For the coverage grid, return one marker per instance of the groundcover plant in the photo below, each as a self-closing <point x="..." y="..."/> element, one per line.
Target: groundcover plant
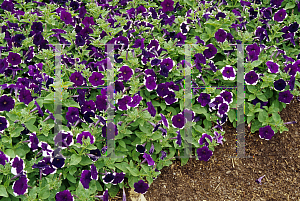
<point x="148" y="39"/>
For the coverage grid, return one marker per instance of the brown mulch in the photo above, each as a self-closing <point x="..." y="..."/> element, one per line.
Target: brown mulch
<point x="225" y="178"/>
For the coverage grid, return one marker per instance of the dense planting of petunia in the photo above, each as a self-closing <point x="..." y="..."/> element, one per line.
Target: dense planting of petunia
<point x="149" y="69"/>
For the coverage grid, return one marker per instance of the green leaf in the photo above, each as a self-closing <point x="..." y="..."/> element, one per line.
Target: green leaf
<point x="255" y="126"/>
<point x="134" y="171"/>
<point x="122" y="143"/>
<point x="251" y="88"/>
<point x="262" y="97"/>
<point x="70" y="103"/>
<point x="207" y="124"/>
<point x="122" y="166"/>
<point x="199" y="109"/>
<point x="17" y="131"/>
<point x="184" y="160"/>
<point x="12" y="117"/>
<point x="75" y="159"/>
<point x="290" y="5"/>
<point x="251" y="97"/>
<point x="85" y="160"/>
<point x="276" y="118"/>
<point x="31" y="127"/>
<point x="163" y="105"/>
<point x="263" y="115"/>
<point x="256" y="63"/>
<point x="3" y="191"/>
<point x="45" y="192"/>
<point x="71" y="178"/>
<point x="231" y="115"/>
<point x="10" y="153"/>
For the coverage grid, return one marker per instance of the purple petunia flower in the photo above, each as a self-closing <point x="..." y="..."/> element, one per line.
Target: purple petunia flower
<point x="3" y="158"/>
<point x="125" y="73"/>
<point x="63" y="139"/>
<point x="17" y="165"/>
<point x="96" y="79"/>
<point x="136" y="99"/>
<point x="101" y="102"/>
<point x="272" y="67"/>
<point x="87" y="21"/>
<point x="220" y="35"/>
<point x="285" y="97"/>
<point x="164" y="120"/>
<point x="149" y="160"/>
<point x="203" y="99"/>
<point x="64" y="196"/>
<point x="150" y="83"/>
<point x="266" y="132"/>
<point x="140" y="148"/>
<point x="66" y="17"/>
<point x="227" y="96"/>
<point x="89" y="106"/>
<point x="85" y="178"/>
<point x="251" y="78"/>
<point x="204" y="153"/>
<point x="20" y="186"/>
<point x="280" y="85"/>
<point x="123" y="102"/>
<point x="94" y="154"/>
<point x="108" y="177"/>
<point x="218" y="137"/>
<point x="141" y="187"/>
<point x="151" y="109"/>
<point x="210" y="52"/>
<point x="223" y="109"/>
<point x="77" y="78"/>
<point x="178" y="121"/>
<point x="292" y="83"/>
<point x="203" y="139"/>
<point x="119" y="178"/>
<point x="228" y="73"/>
<point x="72" y="115"/>
<point x="25" y="96"/>
<point x="85" y="135"/>
<point x="4" y="123"/>
<point x="188" y="114"/>
<point x="6" y="103"/>
<point x="280" y="15"/>
<point x="33" y="142"/>
<point x="167" y="5"/>
<point x="14" y="58"/>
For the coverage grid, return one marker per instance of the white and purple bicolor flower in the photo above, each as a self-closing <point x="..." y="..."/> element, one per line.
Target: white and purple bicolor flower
<point x="228" y="73"/>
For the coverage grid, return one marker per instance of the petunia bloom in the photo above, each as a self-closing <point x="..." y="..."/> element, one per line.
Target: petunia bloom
<point x="85" y="135"/>
<point x="220" y="35"/>
<point x="203" y="99"/>
<point x="141" y="187"/>
<point x="210" y="52"/>
<point x="266" y="132"/>
<point x="285" y="97"/>
<point x="20" y="186"/>
<point x="4" y="123"/>
<point x="64" y="196"/>
<point x="228" y="73"/>
<point x="203" y="139"/>
<point x="204" y="153"/>
<point x="280" y="15"/>
<point x="251" y="78"/>
<point x="167" y="5"/>
<point x="6" y="103"/>
<point x="178" y="121"/>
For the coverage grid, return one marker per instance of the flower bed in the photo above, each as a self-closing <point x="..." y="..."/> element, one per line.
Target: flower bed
<point x="150" y="61"/>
